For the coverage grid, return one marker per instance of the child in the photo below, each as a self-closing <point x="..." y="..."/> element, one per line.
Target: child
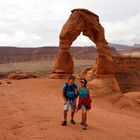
<point x="69" y="95"/>
<point x="84" y="102"/>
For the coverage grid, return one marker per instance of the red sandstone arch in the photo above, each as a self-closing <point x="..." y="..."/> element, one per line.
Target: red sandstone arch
<point x="82" y="20"/>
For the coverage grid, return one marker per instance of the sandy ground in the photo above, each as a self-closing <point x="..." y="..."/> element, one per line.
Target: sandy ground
<point x="32" y="110"/>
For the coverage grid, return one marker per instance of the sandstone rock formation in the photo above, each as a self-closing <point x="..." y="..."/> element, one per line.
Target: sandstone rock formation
<point x="20" y="76"/>
<point x="8" y="82"/>
<point x="128" y="73"/>
<point x="82" y="20"/>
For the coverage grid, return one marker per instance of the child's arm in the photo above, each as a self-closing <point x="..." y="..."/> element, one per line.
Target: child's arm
<point x="63" y="94"/>
<point x="77" y="91"/>
<point x="89" y="94"/>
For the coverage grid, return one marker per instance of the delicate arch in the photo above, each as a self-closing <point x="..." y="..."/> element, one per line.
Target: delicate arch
<point x="82" y="20"/>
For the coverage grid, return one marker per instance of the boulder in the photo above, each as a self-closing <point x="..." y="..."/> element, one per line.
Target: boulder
<point x="20" y="76"/>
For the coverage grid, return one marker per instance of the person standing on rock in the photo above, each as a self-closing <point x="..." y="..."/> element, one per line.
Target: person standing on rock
<point x="84" y="102"/>
<point x="70" y="93"/>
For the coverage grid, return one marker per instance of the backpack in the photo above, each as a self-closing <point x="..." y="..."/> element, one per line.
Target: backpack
<point x="70" y="88"/>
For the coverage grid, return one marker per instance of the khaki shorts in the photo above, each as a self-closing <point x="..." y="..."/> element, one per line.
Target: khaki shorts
<point x="83" y="108"/>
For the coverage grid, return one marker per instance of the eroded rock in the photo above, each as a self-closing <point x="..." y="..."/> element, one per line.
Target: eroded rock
<point x="82" y="20"/>
<point x="20" y="76"/>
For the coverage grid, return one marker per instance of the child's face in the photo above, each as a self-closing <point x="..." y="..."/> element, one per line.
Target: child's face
<point x="71" y="82"/>
<point x="82" y="84"/>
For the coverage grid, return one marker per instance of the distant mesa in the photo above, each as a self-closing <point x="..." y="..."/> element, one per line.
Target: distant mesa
<point x="15" y="54"/>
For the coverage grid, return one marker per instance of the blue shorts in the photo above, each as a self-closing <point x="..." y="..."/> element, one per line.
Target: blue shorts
<point x="72" y="104"/>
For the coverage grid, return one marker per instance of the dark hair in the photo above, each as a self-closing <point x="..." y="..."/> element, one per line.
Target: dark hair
<point x="71" y="78"/>
<point x="84" y="81"/>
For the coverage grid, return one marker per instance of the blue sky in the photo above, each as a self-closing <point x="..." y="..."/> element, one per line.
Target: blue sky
<point x="38" y="22"/>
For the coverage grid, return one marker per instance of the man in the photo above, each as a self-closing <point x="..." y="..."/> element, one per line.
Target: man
<point x="70" y="93"/>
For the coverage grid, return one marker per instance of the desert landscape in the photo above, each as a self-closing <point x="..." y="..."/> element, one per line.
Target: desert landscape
<point x="32" y="79"/>
<point x="32" y="108"/>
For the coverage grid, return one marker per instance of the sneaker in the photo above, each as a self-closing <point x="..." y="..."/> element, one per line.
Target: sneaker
<point x="72" y="122"/>
<point x="84" y="127"/>
<point x="64" y="123"/>
<point x="83" y="124"/>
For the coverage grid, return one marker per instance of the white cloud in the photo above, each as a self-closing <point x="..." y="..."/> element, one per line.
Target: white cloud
<point x="38" y="22"/>
<point x="18" y="37"/>
<point x="126" y="31"/>
<point x="82" y="41"/>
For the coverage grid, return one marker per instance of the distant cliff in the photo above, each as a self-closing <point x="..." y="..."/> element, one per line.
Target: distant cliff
<point x="13" y="54"/>
<point x="128" y="73"/>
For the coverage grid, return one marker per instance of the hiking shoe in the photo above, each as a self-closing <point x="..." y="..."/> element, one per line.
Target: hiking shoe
<point x="83" y="124"/>
<point x="64" y="123"/>
<point x="84" y="127"/>
<point x="72" y="122"/>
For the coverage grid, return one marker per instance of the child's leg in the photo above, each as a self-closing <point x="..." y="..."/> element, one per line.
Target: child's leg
<point x="72" y="115"/>
<point x="66" y="108"/>
<point x="65" y="115"/>
<point x="85" y="117"/>
<point x="64" y="123"/>
<point x="84" y="114"/>
<point x="82" y="122"/>
<point x="73" y="109"/>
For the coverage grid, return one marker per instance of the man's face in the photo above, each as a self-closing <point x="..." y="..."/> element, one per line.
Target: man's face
<point x="71" y="82"/>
